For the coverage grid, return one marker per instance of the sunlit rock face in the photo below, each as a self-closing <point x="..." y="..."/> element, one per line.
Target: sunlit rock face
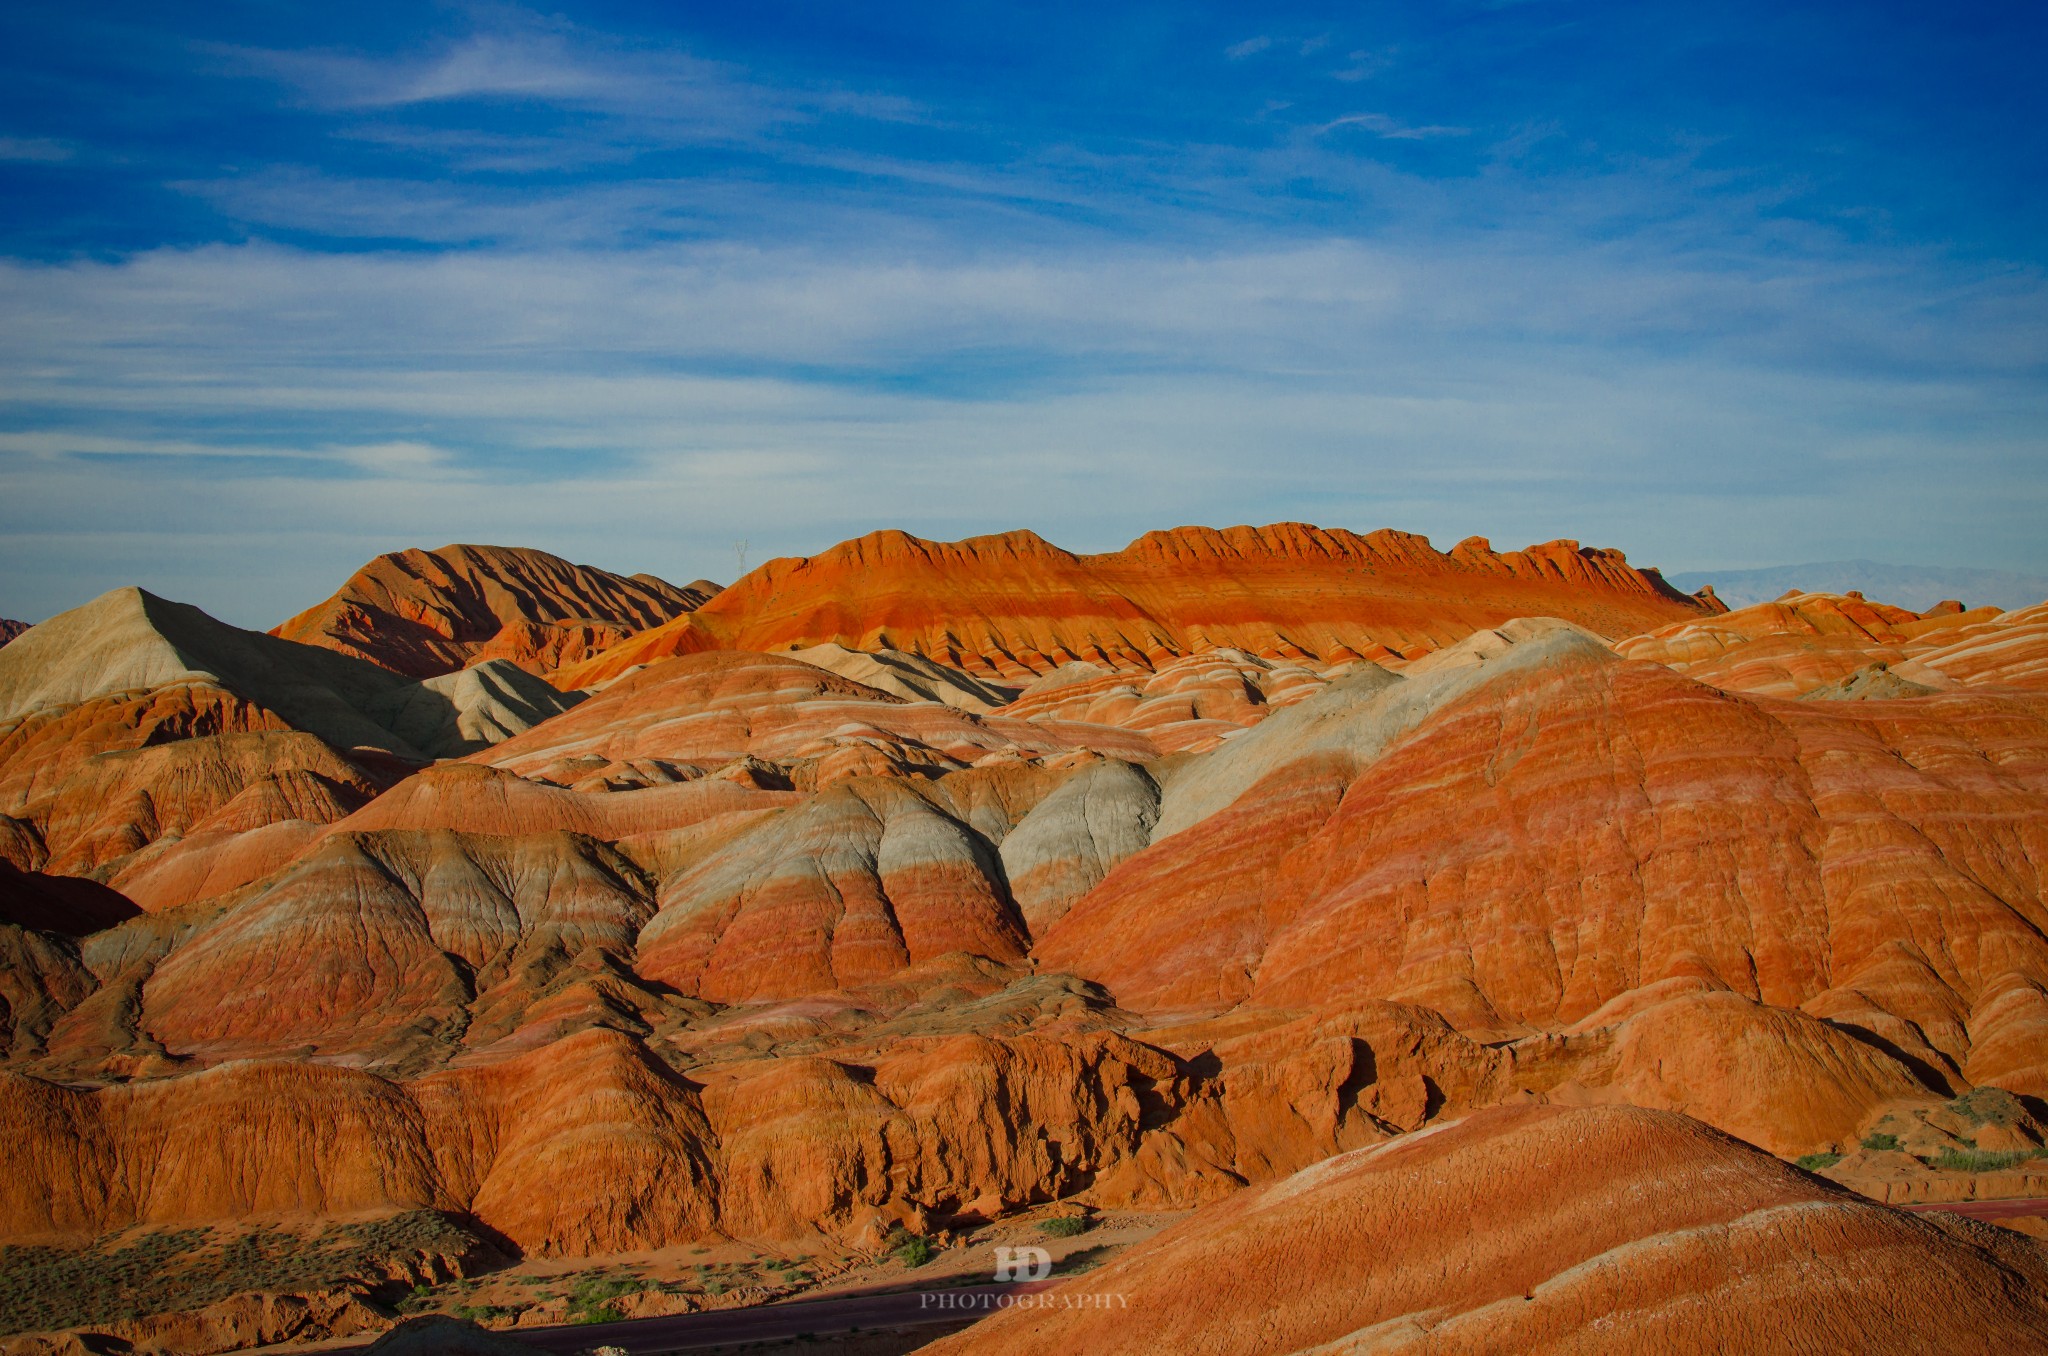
<point x="1015" y="607"/>
<point x="917" y="884"/>
<point x="426" y="613"/>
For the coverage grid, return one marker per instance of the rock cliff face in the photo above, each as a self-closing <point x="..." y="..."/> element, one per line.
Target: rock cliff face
<point x="1013" y="607"/>
<point x="426" y="613"/>
<point x="809" y="945"/>
<point x="10" y="629"/>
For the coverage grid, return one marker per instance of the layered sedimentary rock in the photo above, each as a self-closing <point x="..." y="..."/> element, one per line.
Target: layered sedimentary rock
<point x="1188" y="704"/>
<point x="1811" y="641"/>
<point x="707" y="710"/>
<point x="1069" y="841"/>
<point x="830" y="941"/>
<point x="376" y="940"/>
<point x="426" y="613"/>
<point x="10" y="629"/>
<point x="911" y="677"/>
<point x="583" y="1146"/>
<point x="470" y="710"/>
<point x="41" y="977"/>
<point x="1014" y="606"/>
<point x="129" y="641"/>
<point x="135" y="725"/>
<point x="1546" y="1230"/>
<point x="122" y="801"/>
<point x="2008" y="650"/>
<point x="867" y="878"/>
<point x="1518" y="842"/>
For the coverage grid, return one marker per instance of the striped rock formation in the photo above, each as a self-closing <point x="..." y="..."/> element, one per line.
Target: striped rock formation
<point x="1013" y="607"/>
<point x="1545" y="1229"/>
<point x="426" y="613"/>
<point x="814" y="944"/>
<point x="709" y="709"/>
<point x="1807" y="642"/>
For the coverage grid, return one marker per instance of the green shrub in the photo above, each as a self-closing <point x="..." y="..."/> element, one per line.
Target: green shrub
<point x="1987" y="1106"/>
<point x="1815" y="1162"/>
<point x="590" y="1300"/>
<point x="1880" y="1143"/>
<point x="1981" y="1160"/>
<point x="916" y="1252"/>
<point x="1066" y="1226"/>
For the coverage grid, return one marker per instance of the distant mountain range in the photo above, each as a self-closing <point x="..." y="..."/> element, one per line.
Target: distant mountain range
<point x="1915" y="586"/>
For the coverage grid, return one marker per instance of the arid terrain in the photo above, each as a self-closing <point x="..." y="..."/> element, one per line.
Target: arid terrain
<point x="1319" y="942"/>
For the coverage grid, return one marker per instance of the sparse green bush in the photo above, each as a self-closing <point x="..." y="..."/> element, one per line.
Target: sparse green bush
<point x="590" y="1300"/>
<point x="1878" y="1143"/>
<point x="1066" y="1226"/>
<point x="1981" y="1160"/>
<point x="1987" y="1106"/>
<point x="915" y="1252"/>
<point x="1815" y="1162"/>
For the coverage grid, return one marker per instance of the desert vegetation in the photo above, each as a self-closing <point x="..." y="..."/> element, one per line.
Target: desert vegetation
<point x="137" y="1273"/>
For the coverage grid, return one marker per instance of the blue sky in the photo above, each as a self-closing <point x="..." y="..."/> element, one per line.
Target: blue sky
<point x="285" y="286"/>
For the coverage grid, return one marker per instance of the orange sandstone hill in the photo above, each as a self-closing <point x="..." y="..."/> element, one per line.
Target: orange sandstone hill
<point x="806" y="950"/>
<point x="1545" y="1229"/>
<point x="1014" y="606"/>
<point x="1836" y="645"/>
<point x="424" y="613"/>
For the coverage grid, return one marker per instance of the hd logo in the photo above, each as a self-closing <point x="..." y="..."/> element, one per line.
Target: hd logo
<point x="1023" y="1264"/>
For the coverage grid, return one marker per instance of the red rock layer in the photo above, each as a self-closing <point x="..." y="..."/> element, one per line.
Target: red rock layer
<point x="10" y="629"/>
<point x="1521" y="843"/>
<point x="585" y="1146"/>
<point x="588" y="1145"/>
<point x="423" y="613"/>
<point x="1803" y="642"/>
<point x="1013" y="606"/>
<point x="708" y="709"/>
<point x="1188" y="705"/>
<point x="41" y="978"/>
<point x="1545" y="1230"/>
<point x="90" y="813"/>
<point x="376" y="940"/>
<point x="2009" y="650"/>
<point x="864" y="880"/>
<point x="41" y="752"/>
<point x="467" y="798"/>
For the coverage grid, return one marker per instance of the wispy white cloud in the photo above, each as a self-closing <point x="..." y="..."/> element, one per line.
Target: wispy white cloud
<point x="652" y="95"/>
<point x="402" y="459"/>
<point x="39" y="150"/>
<point x="1379" y="124"/>
<point x="528" y="62"/>
<point x="1091" y="338"/>
<point x="1238" y="51"/>
<point x="631" y="407"/>
<point x="1364" y="64"/>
